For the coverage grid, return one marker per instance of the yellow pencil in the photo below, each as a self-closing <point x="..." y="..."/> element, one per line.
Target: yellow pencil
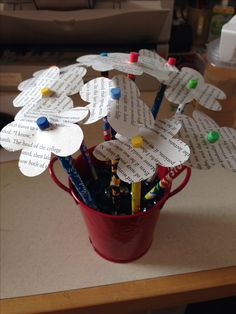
<point x="136" y="142"/>
<point x="136" y="197"/>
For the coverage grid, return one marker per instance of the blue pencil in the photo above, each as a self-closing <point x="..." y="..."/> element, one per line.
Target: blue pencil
<point x="86" y="156"/>
<point x="67" y="164"/>
<point x="160" y="94"/>
<point x="158" y="100"/>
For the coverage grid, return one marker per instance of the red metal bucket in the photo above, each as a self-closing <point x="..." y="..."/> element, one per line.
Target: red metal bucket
<point x="122" y="238"/>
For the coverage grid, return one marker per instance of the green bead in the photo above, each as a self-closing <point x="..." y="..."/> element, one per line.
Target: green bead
<point x="213" y="136"/>
<point x="192" y="84"/>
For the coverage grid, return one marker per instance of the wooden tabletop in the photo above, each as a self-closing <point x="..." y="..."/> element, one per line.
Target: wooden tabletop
<point x="131" y="297"/>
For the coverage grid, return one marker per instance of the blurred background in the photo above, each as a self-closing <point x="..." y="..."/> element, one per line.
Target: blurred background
<point x="38" y="33"/>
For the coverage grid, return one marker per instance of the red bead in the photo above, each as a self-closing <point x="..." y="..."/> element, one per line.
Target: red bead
<point x="133" y="57"/>
<point x="171" y="61"/>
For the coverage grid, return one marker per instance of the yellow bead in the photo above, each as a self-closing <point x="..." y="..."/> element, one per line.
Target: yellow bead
<point x="137" y="141"/>
<point x="46" y="92"/>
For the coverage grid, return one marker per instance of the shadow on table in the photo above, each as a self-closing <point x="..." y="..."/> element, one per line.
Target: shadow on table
<point x="194" y="240"/>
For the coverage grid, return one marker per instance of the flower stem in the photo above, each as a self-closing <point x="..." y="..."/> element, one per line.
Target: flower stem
<point x="158" y="100"/>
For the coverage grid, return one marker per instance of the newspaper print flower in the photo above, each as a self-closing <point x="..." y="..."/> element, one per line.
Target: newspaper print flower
<point x="187" y="85"/>
<point x="209" y="143"/>
<point x="154" y="59"/>
<point x="51" y="83"/>
<point x="101" y="62"/>
<point x="62" y="137"/>
<point x="111" y="61"/>
<point x="31" y="82"/>
<point x="50" y="105"/>
<point x="125" y="113"/>
<point x="157" y="66"/>
<point x="62" y="70"/>
<point x="47" y="76"/>
<point x="158" y="148"/>
<point x="145" y="62"/>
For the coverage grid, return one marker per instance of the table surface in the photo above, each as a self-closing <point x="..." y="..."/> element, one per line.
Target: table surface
<point x="48" y="264"/>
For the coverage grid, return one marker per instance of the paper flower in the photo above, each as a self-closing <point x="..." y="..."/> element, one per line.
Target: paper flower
<point x="116" y="98"/>
<point x="50" y="83"/>
<point x="99" y="63"/>
<point x="50" y="105"/>
<point x="210" y="144"/>
<point x="61" y="137"/>
<point x="187" y="85"/>
<point x="62" y="70"/>
<point x="31" y="82"/>
<point x="141" y="64"/>
<point x="47" y="76"/>
<point x="110" y="61"/>
<point x="158" y="148"/>
<point x="156" y="64"/>
<point x="134" y="63"/>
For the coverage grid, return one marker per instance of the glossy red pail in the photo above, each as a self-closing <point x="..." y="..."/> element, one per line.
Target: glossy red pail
<point x="122" y="238"/>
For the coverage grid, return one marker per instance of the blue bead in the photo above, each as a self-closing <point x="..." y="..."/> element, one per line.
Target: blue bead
<point x="115" y="93"/>
<point x="42" y="123"/>
<point x="103" y="54"/>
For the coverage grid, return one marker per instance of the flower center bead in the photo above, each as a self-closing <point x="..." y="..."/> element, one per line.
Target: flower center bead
<point x="103" y="54"/>
<point x="115" y="93"/>
<point x="192" y="84"/>
<point x="43" y="123"/>
<point x="213" y="137"/>
<point x="46" y="92"/>
<point x="133" y="57"/>
<point x="171" y="61"/>
<point x="137" y="141"/>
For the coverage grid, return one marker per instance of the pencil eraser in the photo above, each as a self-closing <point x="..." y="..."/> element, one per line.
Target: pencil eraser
<point x="131" y="76"/>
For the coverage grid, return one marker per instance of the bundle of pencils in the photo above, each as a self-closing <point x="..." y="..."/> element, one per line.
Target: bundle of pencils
<point x="115" y="184"/>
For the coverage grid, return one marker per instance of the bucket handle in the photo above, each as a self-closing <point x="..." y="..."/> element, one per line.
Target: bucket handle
<point x="183" y="183"/>
<point x="54" y="177"/>
<point x="67" y="189"/>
